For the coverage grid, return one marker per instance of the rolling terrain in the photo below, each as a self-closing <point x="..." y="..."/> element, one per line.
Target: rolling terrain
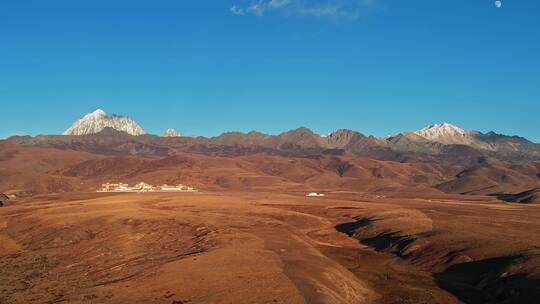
<point x="67" y="163"/>
<point x="441" y="215"/>
<point x="268" y="247"/>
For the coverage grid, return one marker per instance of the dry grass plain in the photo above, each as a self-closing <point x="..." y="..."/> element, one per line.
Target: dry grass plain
<point x="263" y="247"/>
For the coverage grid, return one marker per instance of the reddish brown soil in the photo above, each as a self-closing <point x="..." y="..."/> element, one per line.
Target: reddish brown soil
<point x="267" y="247"/>
<point x="30" y="171"/>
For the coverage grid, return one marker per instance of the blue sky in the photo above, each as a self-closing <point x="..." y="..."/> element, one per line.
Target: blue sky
<point x="208" y="66"/>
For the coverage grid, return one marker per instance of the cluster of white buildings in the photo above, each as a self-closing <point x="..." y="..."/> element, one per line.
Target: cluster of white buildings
<point x="144" y="187"/>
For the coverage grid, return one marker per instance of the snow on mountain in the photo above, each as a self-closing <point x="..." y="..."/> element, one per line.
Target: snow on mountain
<point x="446" y="133"/>
<point x="171" y="133"/>
<point x="96" y="121"/>
<point x="440" y="130"/>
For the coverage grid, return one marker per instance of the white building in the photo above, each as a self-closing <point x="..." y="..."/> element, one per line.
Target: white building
<point x="143" y="187"/>
<point x="314" y="194"/>
<point x="178" y="188"/>
<point x="108" y="187"/>
<point x="122" y="187"/>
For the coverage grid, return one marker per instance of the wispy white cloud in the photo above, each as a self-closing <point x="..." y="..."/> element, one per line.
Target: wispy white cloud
<point x="274" y="4"/>
<point x="349" y="9"/>
<point x="237" y="10"/>
<point x="258" y="8"/>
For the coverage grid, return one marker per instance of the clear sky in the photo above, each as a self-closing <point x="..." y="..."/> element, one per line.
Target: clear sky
<point x="208" y="66"/>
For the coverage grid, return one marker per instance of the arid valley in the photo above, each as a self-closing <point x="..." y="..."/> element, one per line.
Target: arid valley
<point x="453" y="219"/>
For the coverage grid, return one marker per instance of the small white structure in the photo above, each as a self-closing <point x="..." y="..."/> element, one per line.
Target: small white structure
<point x="314" y="194"/>
<point x="166" y="187"/>
<point x="122" y="187"/>
<point x="108" y="187"/>
<point x="143" y="187"/>
<point x="178" y="188"/>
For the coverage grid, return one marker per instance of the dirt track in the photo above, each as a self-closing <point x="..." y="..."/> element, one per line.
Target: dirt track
<point x="252" y="248"/>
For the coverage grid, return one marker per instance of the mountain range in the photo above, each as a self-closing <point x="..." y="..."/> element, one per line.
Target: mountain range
<point x="439" y="158"/>
<point x="115" y="134"/>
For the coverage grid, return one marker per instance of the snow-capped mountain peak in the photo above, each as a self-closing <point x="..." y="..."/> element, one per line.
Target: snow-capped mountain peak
<point x="98" y="120"/>
<point x="97" y="113"/>
<point x="447" y="134"/>
<point x="442" y="130"/>
<point x="171" y="133"/>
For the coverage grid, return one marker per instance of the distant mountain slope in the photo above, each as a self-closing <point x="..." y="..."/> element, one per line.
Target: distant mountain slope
<point x="508" y="145"/>
<point x="32" y="170"/>
<point x="402" y="147"/>
<point x="432" y="138"/>
<point x="99" y="133"/>
<point x="494" y="177"/>
<point x="51" y="164"/>
<point x="98" y="120"/>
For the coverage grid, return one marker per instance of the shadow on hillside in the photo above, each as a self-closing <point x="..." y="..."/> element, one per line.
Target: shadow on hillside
<point x="350" y="228"/>
<point x="486" y="281"/>
<point x="525" y="197"/>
